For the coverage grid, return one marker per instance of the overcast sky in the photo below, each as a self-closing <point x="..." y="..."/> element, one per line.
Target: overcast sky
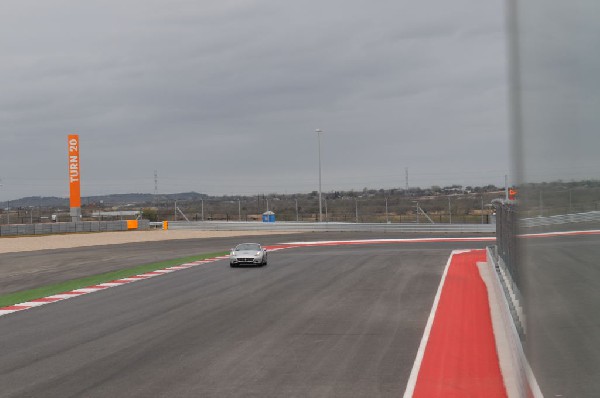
<point x="223" y="97"/>
<point x="560" y="89"/>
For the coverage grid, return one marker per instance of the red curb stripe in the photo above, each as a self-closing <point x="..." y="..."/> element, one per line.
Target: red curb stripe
<point x="460" y="358"/>
<point x="15" y="308"/>
<point x="46" y="300"/>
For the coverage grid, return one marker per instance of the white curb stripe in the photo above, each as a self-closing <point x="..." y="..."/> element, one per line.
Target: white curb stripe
<point x="102" y="286"/>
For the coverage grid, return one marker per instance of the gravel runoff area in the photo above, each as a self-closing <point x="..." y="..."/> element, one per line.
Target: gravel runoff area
<point x="66" y="241"/>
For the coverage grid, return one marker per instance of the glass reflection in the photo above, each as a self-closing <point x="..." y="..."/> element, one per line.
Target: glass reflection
<point x="556" y="125"/>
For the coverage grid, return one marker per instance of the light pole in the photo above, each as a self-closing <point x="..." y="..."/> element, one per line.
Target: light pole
<point x="319" y="131"/>
<point x="296" y="210"/>
<point x="387" y="218"/>
<point x="482" y="207"/>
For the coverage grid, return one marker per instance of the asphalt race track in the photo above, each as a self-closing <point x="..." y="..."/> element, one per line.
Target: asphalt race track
<point x="28" y="270"/>
<point x="317" y="321"/>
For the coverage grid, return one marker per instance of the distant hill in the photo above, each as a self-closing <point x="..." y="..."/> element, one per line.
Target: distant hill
<point x="113" y="200"/>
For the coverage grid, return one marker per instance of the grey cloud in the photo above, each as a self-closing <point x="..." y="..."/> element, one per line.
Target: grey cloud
<point x="188" y="85"/>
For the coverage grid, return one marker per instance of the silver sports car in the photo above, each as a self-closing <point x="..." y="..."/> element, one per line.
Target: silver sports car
<point x="248" y="254"/>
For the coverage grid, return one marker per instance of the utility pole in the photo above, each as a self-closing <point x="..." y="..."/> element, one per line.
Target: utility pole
<point x="406" y="179"/>
<point x="449" y="210"/>
<point x="202" y="200"/>
<point x="356" y="205"/>
<point x="239" y="210"/>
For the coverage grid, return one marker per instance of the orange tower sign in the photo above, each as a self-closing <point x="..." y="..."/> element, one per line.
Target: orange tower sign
<point x="74" y="177"/>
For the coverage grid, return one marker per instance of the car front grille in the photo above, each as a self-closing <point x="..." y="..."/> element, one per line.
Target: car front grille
<point x="246" y="259"/>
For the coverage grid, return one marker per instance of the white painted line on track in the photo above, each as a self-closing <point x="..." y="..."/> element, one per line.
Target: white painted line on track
<point x="407" y="240"/>
<point x="561" y="233"/>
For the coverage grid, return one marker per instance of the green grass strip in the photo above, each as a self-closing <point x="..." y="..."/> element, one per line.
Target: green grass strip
<point x="45" y="291"/>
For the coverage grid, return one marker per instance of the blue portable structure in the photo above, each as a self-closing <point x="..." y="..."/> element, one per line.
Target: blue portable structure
<point x="268" y="216"/>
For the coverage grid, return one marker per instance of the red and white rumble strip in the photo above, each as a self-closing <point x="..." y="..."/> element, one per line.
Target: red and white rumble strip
<point x="123" y="281"/>
<point x="102" y="286"/>
<point x="459" y="353"/>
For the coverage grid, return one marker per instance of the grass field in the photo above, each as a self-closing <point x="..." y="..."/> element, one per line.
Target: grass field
<point x="44" y="291"/>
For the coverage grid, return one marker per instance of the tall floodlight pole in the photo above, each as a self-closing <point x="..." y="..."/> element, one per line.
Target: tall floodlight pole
<point x="296" y="210"/>
<point x="387" y="219"/>
<point x="319" y="131"/>
<point x="482" y="208"/>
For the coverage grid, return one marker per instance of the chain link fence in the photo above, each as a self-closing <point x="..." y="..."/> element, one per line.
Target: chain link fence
<point x="68" y="227"/>
<point x="506" y="236"/>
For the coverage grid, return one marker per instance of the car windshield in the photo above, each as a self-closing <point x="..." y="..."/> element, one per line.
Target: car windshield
<point x="248" y="246"/>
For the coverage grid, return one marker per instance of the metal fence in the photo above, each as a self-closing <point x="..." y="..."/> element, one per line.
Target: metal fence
<point x="508" y="226"/>
<point x="332" y="227"/>
<point x="68" y="227"/>
<point x="590" y="216"/>
<point x="506" y="236"/>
